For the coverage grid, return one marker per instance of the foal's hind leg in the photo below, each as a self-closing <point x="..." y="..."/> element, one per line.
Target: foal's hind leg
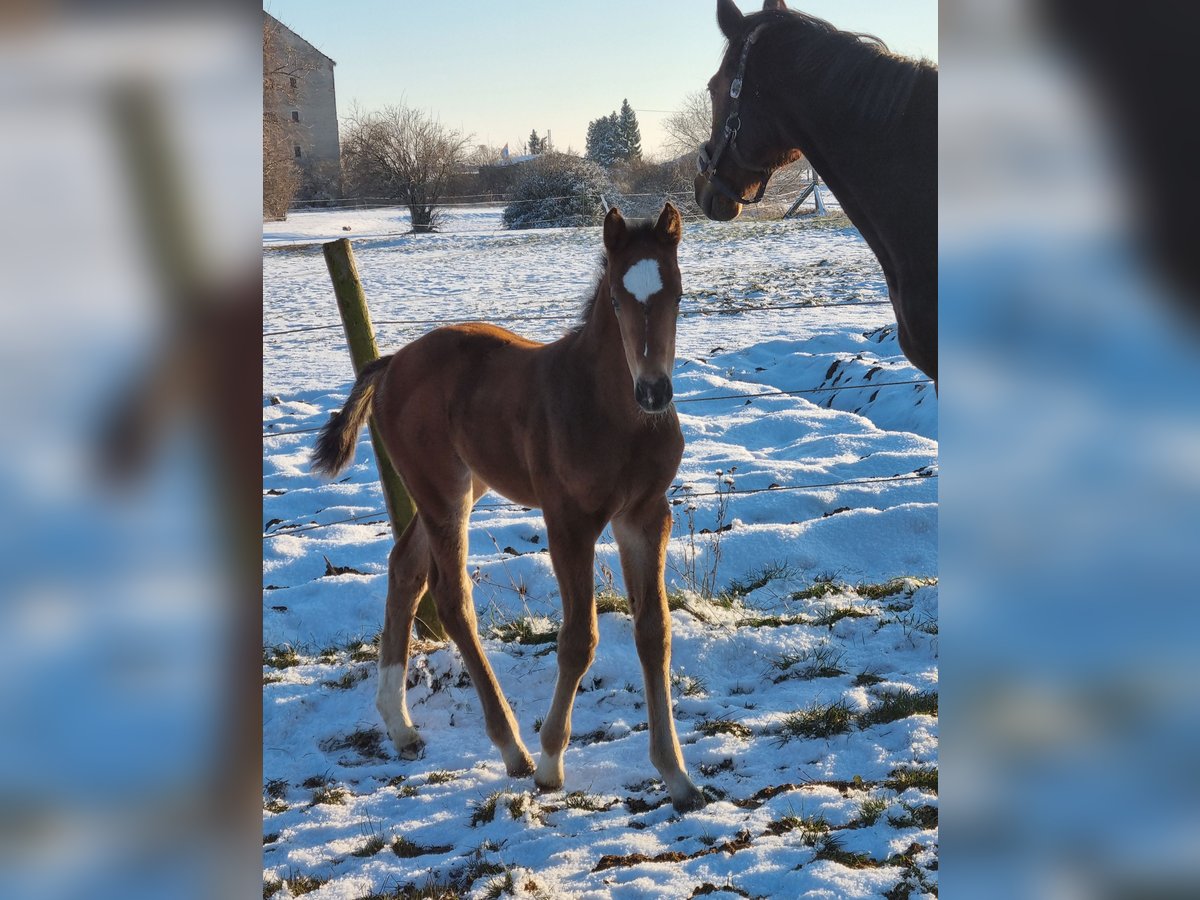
<point x="452" y="593"/>
<point x="572" y="551"/>
<point x="642" y="536"/>
<point x="408" y="570"/>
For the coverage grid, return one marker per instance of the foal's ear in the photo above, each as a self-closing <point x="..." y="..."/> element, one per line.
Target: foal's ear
<point x="669" y="226"/>
<point x="729" y="18"/>
<point x="774" y="5"/>
<point x="614" y="229"/>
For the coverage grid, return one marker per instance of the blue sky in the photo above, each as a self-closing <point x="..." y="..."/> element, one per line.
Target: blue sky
<point x="499" y="69"/>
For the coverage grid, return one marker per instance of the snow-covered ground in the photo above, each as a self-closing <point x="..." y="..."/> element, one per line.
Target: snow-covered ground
<point x="802" y="563"/>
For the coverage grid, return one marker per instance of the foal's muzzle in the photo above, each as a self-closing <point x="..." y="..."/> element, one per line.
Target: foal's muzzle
<point x="653" y="396"/>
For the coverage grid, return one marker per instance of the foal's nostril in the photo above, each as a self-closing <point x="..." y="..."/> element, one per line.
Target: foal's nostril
<point x="653" y="396"/>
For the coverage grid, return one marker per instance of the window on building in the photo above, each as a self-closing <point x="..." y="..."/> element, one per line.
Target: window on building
<point x="292" y="82"/>
<point x="295" y="115"/>
<point x="297" y="151"/>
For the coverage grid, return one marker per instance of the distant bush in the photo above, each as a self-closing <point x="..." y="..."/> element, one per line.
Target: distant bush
<point x="558" y="190"/>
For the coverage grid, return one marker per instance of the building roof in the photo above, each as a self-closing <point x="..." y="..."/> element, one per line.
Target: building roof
<point x="299" y="38"/>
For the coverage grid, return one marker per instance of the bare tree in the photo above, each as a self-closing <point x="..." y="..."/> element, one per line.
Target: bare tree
<point x="283" y="72"/>
<point x="403" y="154"/>
<point x="690" y="125"/>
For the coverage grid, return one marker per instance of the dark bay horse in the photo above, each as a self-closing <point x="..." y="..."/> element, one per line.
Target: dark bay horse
<point x="583" y="428"/>
<point x="866" y="119"/>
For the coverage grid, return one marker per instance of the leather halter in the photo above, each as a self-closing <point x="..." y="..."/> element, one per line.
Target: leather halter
<point x="728" y="141"/>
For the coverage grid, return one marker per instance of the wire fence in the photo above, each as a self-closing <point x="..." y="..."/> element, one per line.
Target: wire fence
<point x="373" y="517"/>
<point x="925" y="474"/>
<point x="749" y="395"/>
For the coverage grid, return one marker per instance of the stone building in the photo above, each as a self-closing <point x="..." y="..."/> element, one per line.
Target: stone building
<point x="304" y="100"/>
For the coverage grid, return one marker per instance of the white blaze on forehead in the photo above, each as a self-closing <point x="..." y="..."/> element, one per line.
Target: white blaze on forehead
<point x="643" y="279"/>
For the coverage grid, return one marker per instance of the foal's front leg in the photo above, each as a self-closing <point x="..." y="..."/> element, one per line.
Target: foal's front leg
<point x="642" y="536"/>
<point x="572" y="551"/>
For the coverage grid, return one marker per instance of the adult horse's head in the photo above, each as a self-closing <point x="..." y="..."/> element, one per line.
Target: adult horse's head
<point x="745" y="146"/>
<point x="645" y="287"/>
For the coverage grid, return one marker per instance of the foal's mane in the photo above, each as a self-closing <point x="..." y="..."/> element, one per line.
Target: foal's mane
<point x="872" y="83"/>
<point x="634" y="231"/>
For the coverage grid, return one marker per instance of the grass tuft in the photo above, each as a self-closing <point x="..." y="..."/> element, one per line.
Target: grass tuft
<point x="283" y="656"/>
<point x="923" y="778"/>
<point x="820" y="662"/>
<point x="895" y="705"/>
<point x="831" y="848"/>
<point x="689" y="685"/>
<point x="484" y="810"/>
<point x="869" y="812"/>
<point x="816" y="721"/>
<point x="441" y="776"/>
<point x="712" y="727"/>
<point x="524" y="631"/>
<point x="365" y="741"/>
<point x="406" y="849"/>
<point x="611" y="602"/>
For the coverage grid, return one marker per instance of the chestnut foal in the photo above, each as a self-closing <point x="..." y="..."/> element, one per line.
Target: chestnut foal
<point x="583" y="428"/>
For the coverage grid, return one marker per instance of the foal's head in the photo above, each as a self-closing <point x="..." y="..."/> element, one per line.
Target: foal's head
<point x="645" y="288"/>
<point x="745" y="146"/>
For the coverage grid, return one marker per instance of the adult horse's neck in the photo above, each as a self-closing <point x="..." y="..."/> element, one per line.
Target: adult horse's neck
<point x="867" y="121"/>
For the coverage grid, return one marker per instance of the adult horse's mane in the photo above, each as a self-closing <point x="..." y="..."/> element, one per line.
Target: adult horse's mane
<point x="872" y="83"/>
<point x="635" y="230"/>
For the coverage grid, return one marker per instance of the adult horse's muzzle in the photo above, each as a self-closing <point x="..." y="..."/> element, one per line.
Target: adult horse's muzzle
<point x="716" y="206"/>
<point x="653" y="396"/>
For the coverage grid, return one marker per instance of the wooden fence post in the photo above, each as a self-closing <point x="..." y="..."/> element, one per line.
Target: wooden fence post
<point x="356" y="320"/>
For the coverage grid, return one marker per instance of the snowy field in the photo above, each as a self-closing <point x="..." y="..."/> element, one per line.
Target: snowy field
<point x="802" y="573"/>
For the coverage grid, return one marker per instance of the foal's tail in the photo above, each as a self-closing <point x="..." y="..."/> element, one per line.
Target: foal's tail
<point x="336" y="442"/>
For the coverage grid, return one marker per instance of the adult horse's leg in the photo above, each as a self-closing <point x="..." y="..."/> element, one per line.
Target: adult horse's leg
<point x="408" y="570"/>
<point x="447" y="531"/>
<point x="642" y="535"/>
<point x="572" y="551"/>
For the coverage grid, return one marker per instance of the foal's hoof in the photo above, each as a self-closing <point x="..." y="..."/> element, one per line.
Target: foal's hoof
<point x="407" y="742"/>
<point x="690" y="800"/>
<point x="519" y="766"/>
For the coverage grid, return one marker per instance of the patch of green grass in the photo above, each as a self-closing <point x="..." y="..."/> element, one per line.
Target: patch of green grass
<point x="923" y="778"/>
<point x="300" y="884"/>
<point x="915" y="816"/>
<point x="407" y="790"/>
<point x="484" y="810"/>
<point x="834" y="616"/>
<point x="712" y="727"/>
<point x="276" y="788"/>
<point x="869" y="812"/>
<point x="499" y="887"/>
<point x="831" y="848"/>
<point x="895" y="705"/>
<point x="283" y="656"/>
<point x="373" y="845"/>
<point x="820" y="720"/>
<point x="611" y="602"/>
<point x="583" y="800"/>
<point x="879" y="591"/>
<point x="739" y="588"/>
<point x="524" y="631"/>
<point x="365" y="741"/>
<point x="688" y="685"/>
<point x="441" y="776"/>
<point x="364" y="651"/>
<point x="770" y="621"/>
<point x="820" y="662"/>
<point x="325" y="791"/>
<point x="811" y="828"/>
<point x="271" y="887"/>
<point x="866" y="679"/>
<point x="270" y="838"/>
<point x="406" y="849"/>
<point x="349" y="678"/>
<point x="271" y="679"/>
<point x="275" y="806"/>
<point x="822" y="586"/>
<point x="520" y="804"/>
